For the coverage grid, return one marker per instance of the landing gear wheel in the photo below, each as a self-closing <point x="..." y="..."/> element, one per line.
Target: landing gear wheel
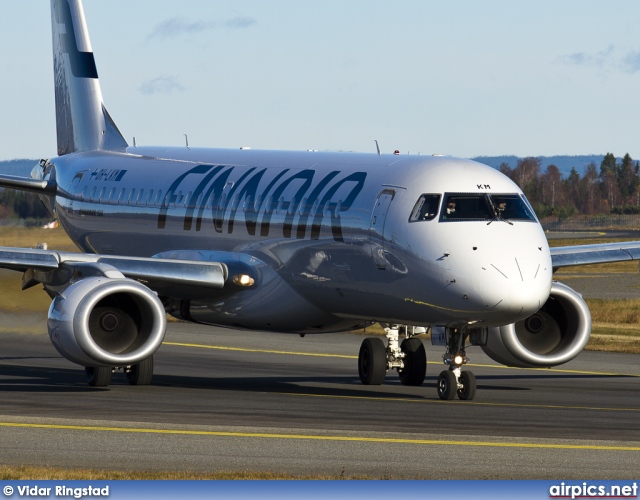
<point x="98" y="376"/>
<point x="415" y="362"/>
<point x="141" y="373"/>
<point x="372" y="361"/>
<point x="447" y="385"/>
<point x="468" y="391"/>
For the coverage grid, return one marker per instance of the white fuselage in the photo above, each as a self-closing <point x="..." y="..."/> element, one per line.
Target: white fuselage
<point x="329" y="235"/>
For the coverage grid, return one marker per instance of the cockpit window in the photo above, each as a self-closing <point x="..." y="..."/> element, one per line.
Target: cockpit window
<point x="426" y="208"/>
<point x="512" y="207"/>
<point x="490" y="207"/>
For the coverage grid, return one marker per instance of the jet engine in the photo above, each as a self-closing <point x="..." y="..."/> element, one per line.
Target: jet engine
<point x="552" y="336"/>
<point x="101" y="321"/>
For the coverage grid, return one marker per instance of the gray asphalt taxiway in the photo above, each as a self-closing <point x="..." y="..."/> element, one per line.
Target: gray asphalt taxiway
<point x="225" y="400"/>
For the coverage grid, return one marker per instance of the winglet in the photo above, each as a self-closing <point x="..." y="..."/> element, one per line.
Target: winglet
<point x="82" y="121"/>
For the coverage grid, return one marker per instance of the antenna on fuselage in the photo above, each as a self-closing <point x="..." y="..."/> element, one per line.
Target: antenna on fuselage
<point x="377" y="147"/>
<point x="186" y="140"/>
<point x="134" y="142"/>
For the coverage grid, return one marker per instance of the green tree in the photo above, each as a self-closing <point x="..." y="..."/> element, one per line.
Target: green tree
<point x="608" y="165"/>
<point x="627" y="178"/>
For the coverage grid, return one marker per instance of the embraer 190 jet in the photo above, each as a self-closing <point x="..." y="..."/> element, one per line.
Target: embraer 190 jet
<point x="298" y="242"/>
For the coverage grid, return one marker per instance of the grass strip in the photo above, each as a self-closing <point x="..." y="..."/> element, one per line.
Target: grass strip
<point x="17" y="473"/>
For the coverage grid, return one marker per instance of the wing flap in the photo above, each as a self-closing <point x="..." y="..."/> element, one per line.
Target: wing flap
<point x="170" y="272"/>
<point x="159" y="274"/>
<point x="21" y="259"/>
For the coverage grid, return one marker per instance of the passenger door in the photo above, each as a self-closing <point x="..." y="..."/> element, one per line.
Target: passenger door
<point x="376" y="228"/>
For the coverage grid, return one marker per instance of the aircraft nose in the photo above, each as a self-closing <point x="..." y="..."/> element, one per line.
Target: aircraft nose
<point x="517" y="287"/>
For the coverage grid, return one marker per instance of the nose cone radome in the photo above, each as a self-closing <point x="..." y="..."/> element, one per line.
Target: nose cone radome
<point x="518" y="283"/>
<point x="492" y="274"/>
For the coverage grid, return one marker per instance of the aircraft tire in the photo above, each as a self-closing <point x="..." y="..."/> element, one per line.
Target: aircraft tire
<point x="468" y="381"/>
<point x="141" y="373"/>
<point x="98" y="376"/>
<point x="372" y="361"/>
<point x="415" y="362"/>
<point x="447" y="385"/>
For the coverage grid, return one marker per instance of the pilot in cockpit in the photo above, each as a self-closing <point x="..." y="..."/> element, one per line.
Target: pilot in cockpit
<point x="450" y="210"/>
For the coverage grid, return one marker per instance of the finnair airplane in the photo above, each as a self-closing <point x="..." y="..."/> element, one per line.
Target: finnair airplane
<point x="297" y="242"/>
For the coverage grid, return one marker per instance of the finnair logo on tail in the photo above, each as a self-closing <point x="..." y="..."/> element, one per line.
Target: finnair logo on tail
<point x="83" y="65"/>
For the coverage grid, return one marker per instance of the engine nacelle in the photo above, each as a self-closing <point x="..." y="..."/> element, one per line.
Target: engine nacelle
<point x="101" y="321"/>
<point x="557" y="333"/>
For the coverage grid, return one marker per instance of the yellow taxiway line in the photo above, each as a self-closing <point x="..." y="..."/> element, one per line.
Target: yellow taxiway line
<point x="420" y="400"/>
<point x="265" y="351"/>
<point x="473" y="403"/>
<point x="344" y="356"/>
<point x="312" y="437"/>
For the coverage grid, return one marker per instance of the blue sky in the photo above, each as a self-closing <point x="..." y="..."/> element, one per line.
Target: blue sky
<point x="464" y="78"/>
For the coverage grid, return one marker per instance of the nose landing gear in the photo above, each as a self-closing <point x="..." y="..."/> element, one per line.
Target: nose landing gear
<point x="454" y="381"/>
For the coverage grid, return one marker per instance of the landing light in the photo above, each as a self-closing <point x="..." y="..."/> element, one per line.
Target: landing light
<point x="458" y="360"/>
<point x="243" y="280"/>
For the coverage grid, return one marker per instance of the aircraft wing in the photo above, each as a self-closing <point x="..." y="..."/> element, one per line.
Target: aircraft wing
<point x="595" y="254"/>
<point x="27" y="184"/>
<point x="170" y="277"/>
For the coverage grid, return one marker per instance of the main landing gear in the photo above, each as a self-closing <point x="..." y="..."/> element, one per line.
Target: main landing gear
<point x="138" y="374"/>
<point x="410" y="359"/>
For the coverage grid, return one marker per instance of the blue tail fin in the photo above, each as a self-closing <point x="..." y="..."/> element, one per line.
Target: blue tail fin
<point x="82" y="121"/>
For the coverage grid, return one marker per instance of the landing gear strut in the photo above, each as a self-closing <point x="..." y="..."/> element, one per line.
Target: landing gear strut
<point x="409" y="358"/>
<point x="454" y="381"/>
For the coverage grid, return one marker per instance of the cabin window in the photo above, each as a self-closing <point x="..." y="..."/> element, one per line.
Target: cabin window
<point x="236" y="202"/>
<point x="292" y="207"/>
<point x="426" y="208"/>
<point x="282" y="205"/>
<point x="248" y="204"/>
<point x="270" y="205"/>
<point x="178" y="199"/>
<point x="167" y="199"/>
<point x="314" y="210"/>
<point x="302" y="208"/>
<point x="158" y="201"/>
<point x="112" y="195"/>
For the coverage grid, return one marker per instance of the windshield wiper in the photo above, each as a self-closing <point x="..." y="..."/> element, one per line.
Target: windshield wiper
<point x="497" y="213"/>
